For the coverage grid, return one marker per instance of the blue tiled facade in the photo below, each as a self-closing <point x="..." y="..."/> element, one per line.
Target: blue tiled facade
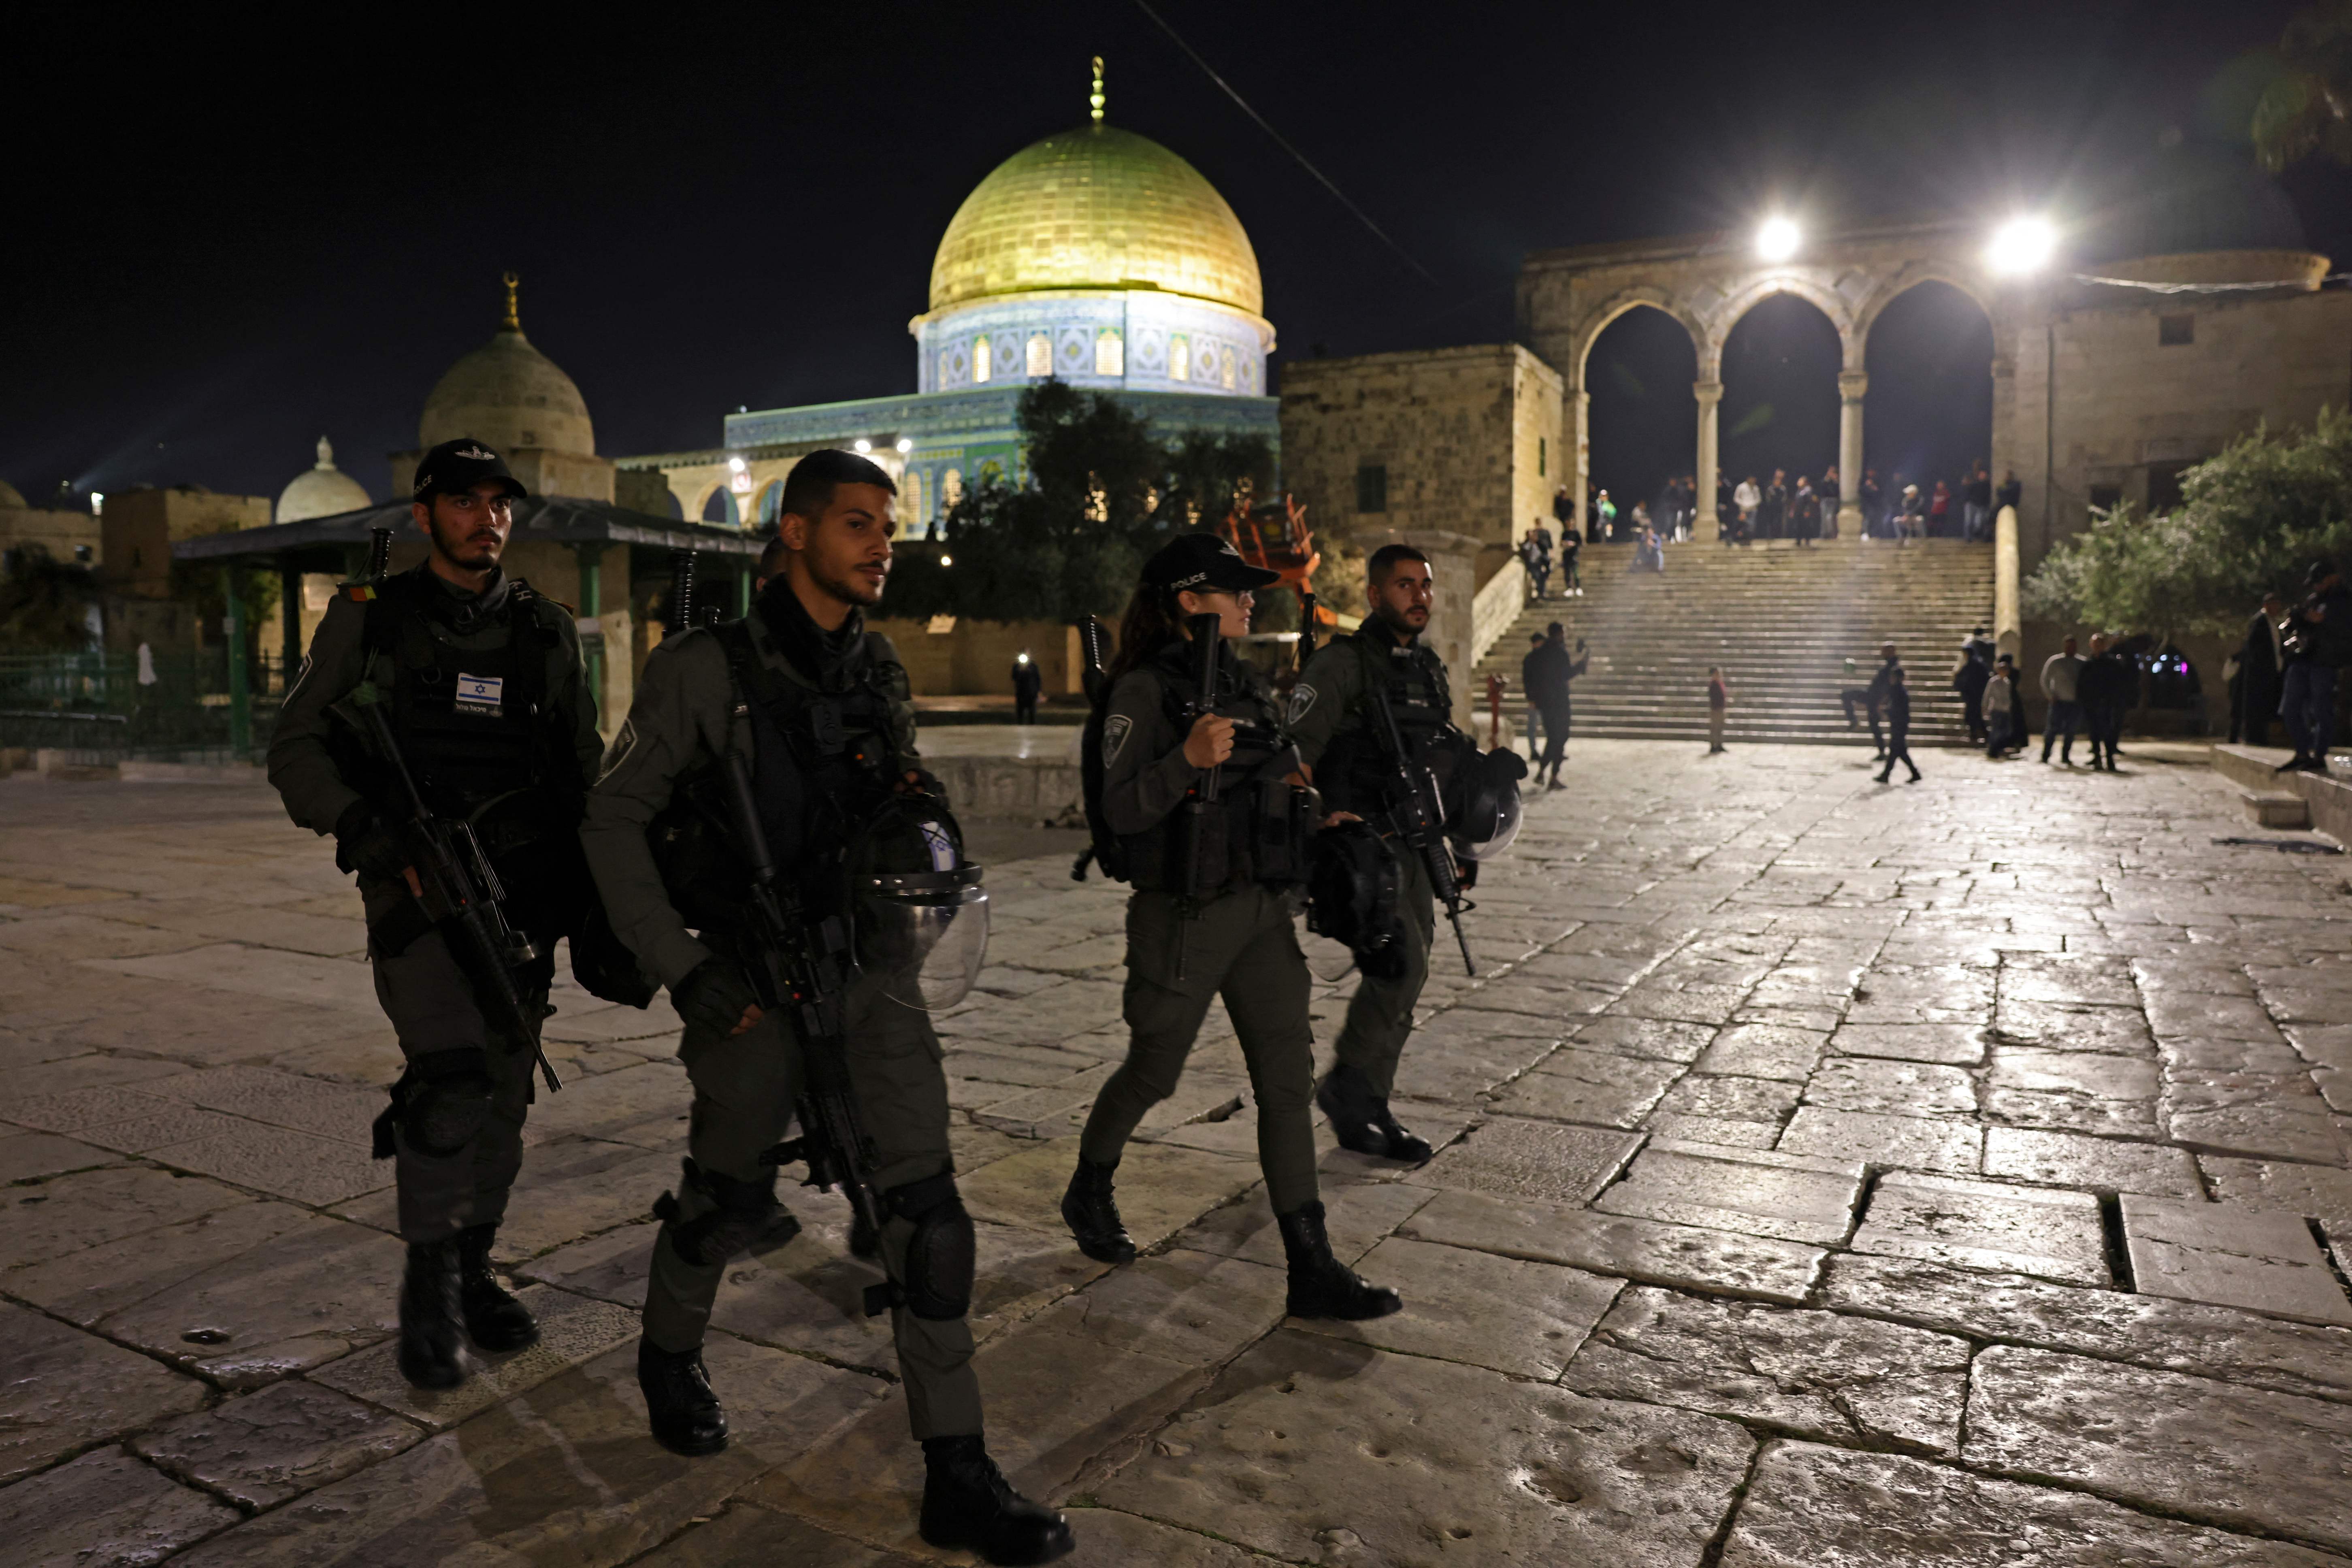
<point x="1132" y="339"/>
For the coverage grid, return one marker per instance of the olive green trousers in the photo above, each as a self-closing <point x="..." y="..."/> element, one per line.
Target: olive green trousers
<point x="1379" y="1016"/>
<point x="1241" y="946"/>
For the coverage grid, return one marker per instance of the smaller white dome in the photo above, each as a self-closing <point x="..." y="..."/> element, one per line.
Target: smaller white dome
<point x="10" y="495"/>
<point x="323" y="491"/>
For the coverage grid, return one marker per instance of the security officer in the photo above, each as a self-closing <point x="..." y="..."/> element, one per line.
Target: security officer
<point x="821" y="705"/>
<point x="1339" y="736"/>
<point x="1238" y="940"/>
<point x="491" y="707"/>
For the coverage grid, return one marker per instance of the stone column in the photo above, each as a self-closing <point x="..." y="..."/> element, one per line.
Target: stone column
<point x="1579" y="423"/>
<point x="1710" y="404"/>
<point x="1851" y="385"/>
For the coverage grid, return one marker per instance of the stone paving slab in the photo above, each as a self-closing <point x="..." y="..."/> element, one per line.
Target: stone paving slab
<point x="1516" y="1157"/>
<point x="1957" y="1045"/>
<point x="2231" y="1255"/>
<point x="63" y="1389"/>
<point x="1912" y="1143"/>
<point x="2089" y="1163"/>
<point x="1987" y="1224"/>
<point x="2190" y="1447"/>
<point x="264" y="1448"/>
<point x="1846" y="1380"/>
<point x="105" y="1508"/>
<point x="1306" y="1438"/>
<point x="1810" y="1507"/>
<point x="1790" y="1196"/>
<point x="1513" y="1315"/>
<point x="89" y="1208"/>
<point x="571" y="1329"/>
<point x="25" y="1156"/>
<point x="1677" y="1255"/>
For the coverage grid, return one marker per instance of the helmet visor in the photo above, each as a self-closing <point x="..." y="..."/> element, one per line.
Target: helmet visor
<point x="1498" y="823"/>
<point x="925" y="942"/>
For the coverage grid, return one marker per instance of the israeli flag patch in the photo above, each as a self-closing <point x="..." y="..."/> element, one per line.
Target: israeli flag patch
<point x="1116" y="729"/>
<point x="482" y="694"/>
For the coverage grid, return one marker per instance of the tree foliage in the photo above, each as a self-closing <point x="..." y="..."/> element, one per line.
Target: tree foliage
<point x="44" y="602"/>
<point x="2251" y="521"/>
<point x="2306" y="110"/>
<point x="1100" y="493"/>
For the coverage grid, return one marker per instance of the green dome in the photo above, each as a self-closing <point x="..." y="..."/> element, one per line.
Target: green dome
<point x="1096" y="208"/>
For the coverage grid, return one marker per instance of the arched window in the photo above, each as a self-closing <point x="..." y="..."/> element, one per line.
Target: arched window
<point x="772" y="501"/>
<point x="992" y="472"/>
<point x="1041" y="354"/>
<point x="718" y="506"/>
<point x="910" y="498"/>
<point x="980" y="360"/>
<point x="951" y="488"/>
<point x="1180" y="358"/>
<point x="1111" y="353"/>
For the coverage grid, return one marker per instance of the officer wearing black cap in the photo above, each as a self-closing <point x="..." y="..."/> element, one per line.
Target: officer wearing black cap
<point x="1161" y="744"/>
<point x="490" y="708"/>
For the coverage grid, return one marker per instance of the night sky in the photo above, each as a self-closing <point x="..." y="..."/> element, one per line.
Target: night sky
<point x="226" y="243"/>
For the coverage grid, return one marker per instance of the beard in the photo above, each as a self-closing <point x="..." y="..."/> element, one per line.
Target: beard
<point x="851" y="588"/>
<point x="463" y="546"/>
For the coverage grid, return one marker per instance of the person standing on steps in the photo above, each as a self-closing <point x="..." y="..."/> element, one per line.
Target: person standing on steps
<point x="1169" y="755"/>
<point x="1718" y="702"/>
<point x="1547" y="672"/>
<point x="1571" y="581"/>
<point x="1898" y="728"/>
<point x="1969" y="676"/>
<point x="1334" y="720"/>
<point x="1529" y="664"/>
<point x="489" y="707"/>
<point x="815" y="709"/>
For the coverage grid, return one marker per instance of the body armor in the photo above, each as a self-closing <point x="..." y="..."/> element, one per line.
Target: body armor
<point x="1263" y="824"/>
<point x="1356" y="773"/>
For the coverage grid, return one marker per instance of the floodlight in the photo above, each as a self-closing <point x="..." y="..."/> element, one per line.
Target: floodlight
<point x="2021" y="245"/>
<point x="947" y="560"/>
<point x="1776" y="239"/>
<point x="736" y="464"/>
<point x="97" y="502"/>
<point x="864" y="444"/>
<point x="905" y="446"/>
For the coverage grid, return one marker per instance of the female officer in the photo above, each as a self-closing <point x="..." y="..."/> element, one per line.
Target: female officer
<point x="1236" y="937"/>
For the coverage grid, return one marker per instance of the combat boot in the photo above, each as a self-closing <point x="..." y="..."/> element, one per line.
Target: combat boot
<point x="1320" y="1285"/>
<point x="494" y="1319"/>
<point x="1361" y="1120"/>
<point x="432" y="1352"/>
<point x="1092" y="1215"/>
<point x="685" y="1414"/>
<point x="968" y="1504"/>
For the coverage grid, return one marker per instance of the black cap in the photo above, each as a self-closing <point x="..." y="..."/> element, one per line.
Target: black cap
<point x="1204" y="561"/>
<point x="457" y="466"/>
<point x="2321" y="571"/>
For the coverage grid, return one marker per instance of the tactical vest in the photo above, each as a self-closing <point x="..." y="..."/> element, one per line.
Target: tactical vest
<point x="1356" y="773"/>
<point x="1262" y="825"/>
<point x="475" y="725"/>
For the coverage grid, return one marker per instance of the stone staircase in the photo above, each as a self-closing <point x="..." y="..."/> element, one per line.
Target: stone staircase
<point x="1779" y="620"/>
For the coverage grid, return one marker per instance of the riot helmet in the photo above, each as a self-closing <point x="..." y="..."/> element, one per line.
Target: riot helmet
<point x="1352" y="897"/>
<point x="1483" y="811"/>
<point x="921" y="913"/>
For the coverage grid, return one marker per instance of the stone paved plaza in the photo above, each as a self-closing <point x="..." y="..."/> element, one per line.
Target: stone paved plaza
<point x="1832" y="1176"/>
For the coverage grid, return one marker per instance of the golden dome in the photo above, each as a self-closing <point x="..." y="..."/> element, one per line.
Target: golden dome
<point x="510" y="394"/>
<point x="323" y="491"/>
<point x="1096" y="207"/>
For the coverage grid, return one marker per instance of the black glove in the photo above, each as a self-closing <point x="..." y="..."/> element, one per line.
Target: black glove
<point x="712" y="996"/>
<point x="365" y="842"/>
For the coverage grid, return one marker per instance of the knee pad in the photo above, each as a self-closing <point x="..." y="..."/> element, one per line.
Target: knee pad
<point x="739" y="1215"/>
<point x="943" y="1255"/>
<point x="442" y="1099"/>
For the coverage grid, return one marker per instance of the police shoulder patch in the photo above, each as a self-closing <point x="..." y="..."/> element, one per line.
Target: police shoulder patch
<point x="359" y="592"/>
<point x="1116" y="729"/>
<point x="1302" y="698"/>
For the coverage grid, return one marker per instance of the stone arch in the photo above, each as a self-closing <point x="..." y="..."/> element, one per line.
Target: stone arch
<point x="1737" y="305"/>
<point x="1617" y="305"/>
<point x="1908" y="277"/>
<point x="729" y="510"/>
<point x="770" y="503"/>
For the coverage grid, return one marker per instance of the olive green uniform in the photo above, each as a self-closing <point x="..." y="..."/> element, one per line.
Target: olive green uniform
<point x="1240" y="943"/>
<point x="687" y="715"/>
<point x="418" y="982"/>
<point x="1331" y="702"/>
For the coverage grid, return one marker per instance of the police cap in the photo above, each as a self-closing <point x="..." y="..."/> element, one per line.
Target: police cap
<point x="454" y="467"/>
<point x="1204" y="562"/>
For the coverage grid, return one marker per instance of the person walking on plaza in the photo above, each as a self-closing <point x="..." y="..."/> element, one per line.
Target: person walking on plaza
<point x="1547" y="671"/>
<point x="1333" y="718"/>
<point x="1852" y="696"/>
<point x="2062" y="674"/>
<point x="1898" y="727"/>
<point x="1528" y="666"/>
<point x="1718" y="701"/>
<point x="2317" y="641"/>
<point x="481" y="680"/>
<point x="2254" y="691"/>
<point x="1969" y="676"/>
<point x="1238" y="942"/>
<point x="2000" y="709"/>
<point x="745" y="698"/>
<point x="1028" y="683"/>
<point x="2105" y="687"/>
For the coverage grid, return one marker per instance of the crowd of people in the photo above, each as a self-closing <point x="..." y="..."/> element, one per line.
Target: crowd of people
<point x="1802" y="508"/>
<point x="2286" y="668"/>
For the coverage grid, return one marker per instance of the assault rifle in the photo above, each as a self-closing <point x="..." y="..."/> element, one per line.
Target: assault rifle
<point x="1097" y="678"/>
<point x="1306" y="627"/>
<point x="1419" y="819"/>
<point x="379" y="560"/>
<point x="681" y="606"/>
<point x="801" y="971"/>
<point x="460" y="893"/>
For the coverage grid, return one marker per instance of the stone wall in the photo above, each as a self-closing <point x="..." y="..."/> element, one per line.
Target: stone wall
<point x="1467" y="437"/>
<point x="60" y="533"/>
<point x="975" y="658"/>
<point x="140" y="527"/>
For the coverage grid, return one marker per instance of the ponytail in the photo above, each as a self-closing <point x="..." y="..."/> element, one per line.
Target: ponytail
<point x="1150" y="624"/>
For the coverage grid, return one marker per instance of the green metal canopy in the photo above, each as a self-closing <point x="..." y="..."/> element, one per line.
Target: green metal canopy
<point x="325" y="544"/>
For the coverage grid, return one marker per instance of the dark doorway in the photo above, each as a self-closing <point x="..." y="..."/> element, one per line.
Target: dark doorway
<point x="1928" y="413"/>
<point x="1780" y="410"/>
<point x="1643" y="422"/>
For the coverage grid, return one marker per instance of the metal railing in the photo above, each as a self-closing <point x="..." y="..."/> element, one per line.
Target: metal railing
<point x="116" y="704"/>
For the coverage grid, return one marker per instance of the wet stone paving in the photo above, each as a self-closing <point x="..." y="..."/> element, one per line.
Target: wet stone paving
<point x="1830" y="1175"/>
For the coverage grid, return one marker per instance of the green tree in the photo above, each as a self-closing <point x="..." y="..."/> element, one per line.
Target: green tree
<point x="2307" y="106"/>
<point x="44" y="602"/>
<point x="2251" y="520"/>
<point x="1101" y="493"/>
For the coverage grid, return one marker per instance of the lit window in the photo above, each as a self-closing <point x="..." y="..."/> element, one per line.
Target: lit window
<point x="1041" y="354"/>
<point x="1111" y="353"/>
<point x="980" y="360"/>
<point x="1372" y="488"/>
<point x="1539" y="456"/>
<point x="910" y="498"/>
<point x="1180" y="358"/>
<point x="950" y="487"/>
<point x="1228" y="377"/>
